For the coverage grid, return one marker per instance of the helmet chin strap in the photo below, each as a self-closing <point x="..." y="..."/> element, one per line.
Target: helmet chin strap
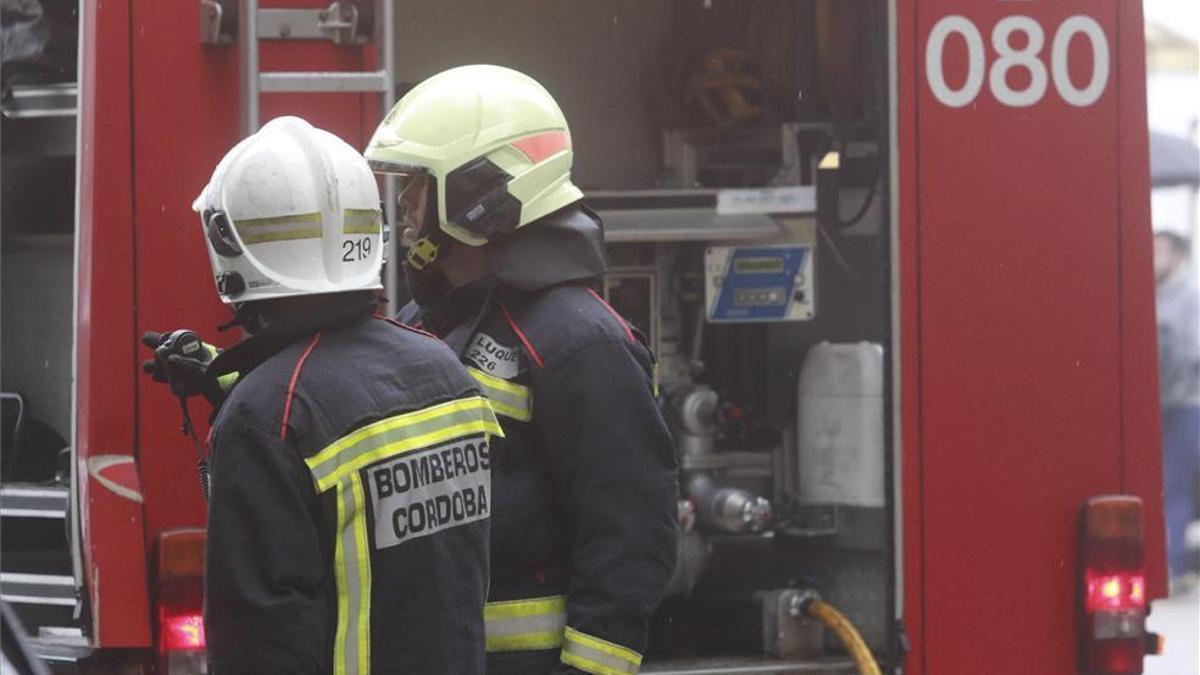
<point x="246" y="316"/>
<point x="422" y="254"/>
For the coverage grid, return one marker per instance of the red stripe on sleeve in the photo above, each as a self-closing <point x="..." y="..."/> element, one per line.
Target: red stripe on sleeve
<point x="620" y="319"/>
<point x="521" y="336"/>
<point x="287" y="405"/>
<point x="401" y="324"/>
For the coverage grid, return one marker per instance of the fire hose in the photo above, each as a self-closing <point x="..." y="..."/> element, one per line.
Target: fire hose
<point x="837" y="622"/>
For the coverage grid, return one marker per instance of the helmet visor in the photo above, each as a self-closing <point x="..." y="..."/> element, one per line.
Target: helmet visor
<point x="416" y="199"/>
<point x="416" y="208"/>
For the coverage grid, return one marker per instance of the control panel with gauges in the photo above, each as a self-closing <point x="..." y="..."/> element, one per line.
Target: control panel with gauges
<point x="759" y="283"/>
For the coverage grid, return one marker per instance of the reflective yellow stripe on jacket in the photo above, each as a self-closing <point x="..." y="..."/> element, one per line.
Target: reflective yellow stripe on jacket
<point x="594" y="655"/>
<point x="524" y="625"/>
<point x="507" y="398"/>
<point x="337" y="467"/>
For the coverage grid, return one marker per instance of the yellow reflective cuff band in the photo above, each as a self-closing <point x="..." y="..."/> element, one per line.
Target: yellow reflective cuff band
<point x="279" y="228"/>
<point x="508" y="399"/>
<point x="525" y="625"/>
<point x="506" y="609"/>
<point x="595" y="655"/>
<point x="361" y="221"/>
<point x="400" y="434"/>
<point x="226" y="381"/>
<point x="525" y="642"/>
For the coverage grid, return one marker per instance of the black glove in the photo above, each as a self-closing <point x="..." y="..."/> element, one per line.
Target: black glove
<point x="181" y="360"/>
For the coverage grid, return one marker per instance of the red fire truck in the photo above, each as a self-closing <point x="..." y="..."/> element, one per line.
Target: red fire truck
<point x="894" y="255"/>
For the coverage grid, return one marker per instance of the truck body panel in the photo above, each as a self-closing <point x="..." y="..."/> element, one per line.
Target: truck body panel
<point x="1022" y="385"/>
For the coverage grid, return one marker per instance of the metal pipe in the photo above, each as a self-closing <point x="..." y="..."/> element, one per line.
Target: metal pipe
<point x="248" y="62"/>
<point x="727" y="509"/>
<point x="385" y="55"/>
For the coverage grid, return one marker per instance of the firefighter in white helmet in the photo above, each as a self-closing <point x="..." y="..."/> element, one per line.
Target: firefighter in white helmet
<point x="348" y="520"/>
<point x="501" y="261"/>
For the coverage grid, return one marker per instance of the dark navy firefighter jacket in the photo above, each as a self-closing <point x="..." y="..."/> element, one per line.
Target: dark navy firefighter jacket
<point x="584" y="524"/>
<point x="348" y="522"/>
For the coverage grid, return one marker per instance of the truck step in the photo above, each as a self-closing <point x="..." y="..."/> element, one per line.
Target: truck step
<point x="61" y="644"/>
<point x="38" y="589"/>
<point x="34" y="501"/>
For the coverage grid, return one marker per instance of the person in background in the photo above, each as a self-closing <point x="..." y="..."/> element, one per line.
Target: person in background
<point x="1178" y="303"/>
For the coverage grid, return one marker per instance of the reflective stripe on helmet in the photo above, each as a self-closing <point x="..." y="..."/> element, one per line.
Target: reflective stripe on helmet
<point x="595" y="655"/>
<point x="361" y="221"/>
<point x="279" y="228"/>
<point x="524" y="625"/>
<point x="507" y="398"/>
<point x="540" y="146"/>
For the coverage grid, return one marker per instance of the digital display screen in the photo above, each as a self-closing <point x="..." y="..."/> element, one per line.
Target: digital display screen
<point x="761" y="265"/>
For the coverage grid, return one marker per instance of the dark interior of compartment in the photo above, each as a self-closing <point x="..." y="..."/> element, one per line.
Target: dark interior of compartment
<point x="36" y="292"/>
<point x="624" y="71"/>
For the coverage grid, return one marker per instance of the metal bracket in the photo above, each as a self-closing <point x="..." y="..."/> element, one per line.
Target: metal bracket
<point x="339" y="23"/>
<point x="218" y="22"/>
<point x="343" y="23"/>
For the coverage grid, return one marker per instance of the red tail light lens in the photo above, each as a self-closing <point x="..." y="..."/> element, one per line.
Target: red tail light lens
<point x="1114" y="591"/>
<point x="1112" y="621"/>
<point x="182" y="632"/>
<point x="179" y="597"/>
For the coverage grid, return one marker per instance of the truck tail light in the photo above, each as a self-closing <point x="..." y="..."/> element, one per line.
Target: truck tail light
<point x="1112" y="587"/>
<point x="179" y="601"/>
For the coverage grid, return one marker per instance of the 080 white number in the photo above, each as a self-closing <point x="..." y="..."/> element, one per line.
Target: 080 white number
<point x="1025" y="58"/>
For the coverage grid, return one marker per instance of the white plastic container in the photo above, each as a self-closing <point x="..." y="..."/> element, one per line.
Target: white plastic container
<point x="840" y="425"/>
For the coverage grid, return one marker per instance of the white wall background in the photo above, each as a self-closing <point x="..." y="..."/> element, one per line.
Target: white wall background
<point x="1173" y="98"/>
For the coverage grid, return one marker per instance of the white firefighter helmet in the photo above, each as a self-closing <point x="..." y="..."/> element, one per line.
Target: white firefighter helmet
<point x="292" y="210"/>
<point x="493" y="141"/>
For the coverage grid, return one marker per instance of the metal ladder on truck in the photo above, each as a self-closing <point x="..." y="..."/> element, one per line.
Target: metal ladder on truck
<point x="351" y="23"/>
<point x="41" y="575"/>
<point x="38" y="579"/>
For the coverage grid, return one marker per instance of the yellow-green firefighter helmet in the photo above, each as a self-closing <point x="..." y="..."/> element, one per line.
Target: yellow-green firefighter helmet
<point x="493" y="140"/>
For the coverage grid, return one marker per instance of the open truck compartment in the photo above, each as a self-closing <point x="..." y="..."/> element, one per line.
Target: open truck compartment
<point x="737" y="153"/>
<point x="37" y="305"/>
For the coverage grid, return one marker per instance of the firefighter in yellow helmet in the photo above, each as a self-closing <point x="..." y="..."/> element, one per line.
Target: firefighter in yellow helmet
<point x="501" y="258"/>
